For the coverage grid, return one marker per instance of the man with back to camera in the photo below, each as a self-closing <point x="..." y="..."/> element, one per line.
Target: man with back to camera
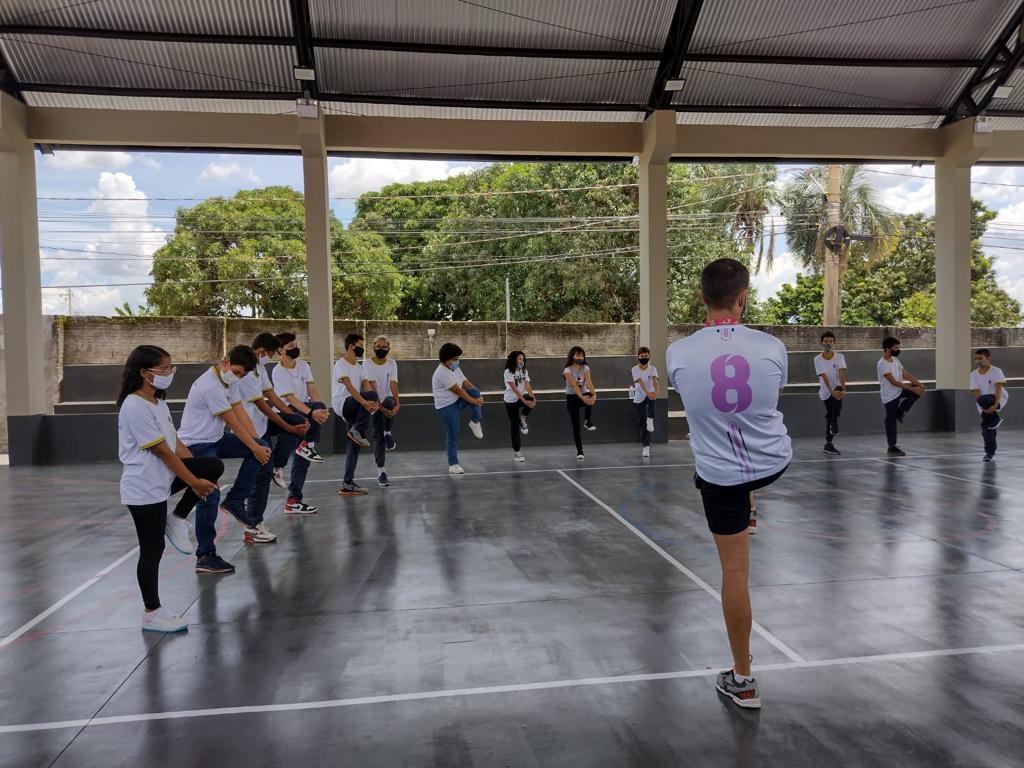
<point x="899" y="389"/>
<point x="730" y="378"/>
<point x="988" y="385"/>
<point x="830" y="366"/>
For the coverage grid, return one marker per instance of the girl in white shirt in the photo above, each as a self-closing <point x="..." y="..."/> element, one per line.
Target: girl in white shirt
<point x="156" y="466"/>
<point x="519" y="399"/>
<point x="579" y="393"/>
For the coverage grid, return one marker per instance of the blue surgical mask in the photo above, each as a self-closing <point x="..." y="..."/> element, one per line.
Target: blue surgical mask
<point x="455" y="365"/>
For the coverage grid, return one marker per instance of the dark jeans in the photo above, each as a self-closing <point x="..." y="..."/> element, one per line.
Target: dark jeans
<point x="379" y="424"/>
<point x="151" y="520"/>
<point x="644" y="411"/>
<point x="988" y="420"/>
<point x="833" y="408"/>
<point x="283" y="448"/>
<point x="300" y="466"/>
<point x="573" y="403"/>
<point x="253" y="478"/>
<point x="517" y="412"/>
<point x="894" y="407"/>
<point x="355" y="416"/>
<point x="450" y="418"/>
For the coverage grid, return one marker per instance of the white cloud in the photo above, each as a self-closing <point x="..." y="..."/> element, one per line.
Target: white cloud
<point x="784" y="270"/>
<point x="218" y="172"/>
<point x="74" y="160"/>
<point x="151" y="163"/>
<point x="357" y="175"/>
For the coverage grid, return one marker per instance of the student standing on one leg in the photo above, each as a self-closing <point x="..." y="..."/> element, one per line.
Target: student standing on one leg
<point x="730" y="377"/>
<point x="988" y="385"/>
<point x="214" y="403"/>
<point x="579" y="393"/>
<point x="645" y="395"/>
<point x="293" y="382"/>
<point x="899" y="389"/>
<point x="382" y="371"/>
<point x="519" y="399"/>
<point x="156" y="466"/>
<point x="830" y="366"/>
<point x="354" y="400"/>
<point x="454" y="393"/>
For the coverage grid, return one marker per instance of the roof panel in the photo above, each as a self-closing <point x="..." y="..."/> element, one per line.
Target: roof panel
<point x="866" y="28"/>
<point x="614" y="25"/>
<point x="237" y="17"/>
<point x="159" y="104"/>
<point x="401" y="74"/>
<point x="138" y="64"/>
<point x="477" y="113"/>
<point x="759" y="85"/>
<point x="775" y="120"/>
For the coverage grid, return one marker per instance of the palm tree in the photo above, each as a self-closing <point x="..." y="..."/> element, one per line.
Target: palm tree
<point x="805" y="202"/>
<point x="740" y="197"/>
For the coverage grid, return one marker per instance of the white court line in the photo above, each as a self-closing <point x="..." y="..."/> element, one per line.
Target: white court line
<point x="896" y="462"/>
<point x="494" y="689"/>
<point x="786" y="650"/>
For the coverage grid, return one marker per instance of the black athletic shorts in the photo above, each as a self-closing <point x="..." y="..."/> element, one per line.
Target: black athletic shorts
<point x="727" y="507"/>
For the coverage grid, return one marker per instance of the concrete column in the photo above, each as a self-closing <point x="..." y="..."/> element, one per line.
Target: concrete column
<point x="22" y="310"/>
<point x="659" y="140"/>
<point x="318" y="250"/>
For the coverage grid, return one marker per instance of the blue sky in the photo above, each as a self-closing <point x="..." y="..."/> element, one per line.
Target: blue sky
<point x="124" y="206"/>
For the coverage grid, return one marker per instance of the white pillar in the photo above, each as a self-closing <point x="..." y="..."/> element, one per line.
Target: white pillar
<point x="659" y="135"/>
<point x="19" y="264"/>
<point x="318" y="250"/>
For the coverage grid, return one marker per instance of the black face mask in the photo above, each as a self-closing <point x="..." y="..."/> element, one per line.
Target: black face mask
<point x="358" y="351"/>
<point x="293" y="353"/>
<point x="645" y="360"/>
<point x="894" y="352"/>
<point x="381" y="353"/>
<point x="579" y="360"/>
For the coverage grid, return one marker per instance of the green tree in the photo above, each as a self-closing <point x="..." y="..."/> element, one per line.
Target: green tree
<point x="125" y="310"/>
<point x="740" y="196"/>
<point x="246" y="256"/>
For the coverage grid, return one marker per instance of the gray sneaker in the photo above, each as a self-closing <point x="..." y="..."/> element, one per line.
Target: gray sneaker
<point x="743" y="694"/>
<point x="358" y="438"/>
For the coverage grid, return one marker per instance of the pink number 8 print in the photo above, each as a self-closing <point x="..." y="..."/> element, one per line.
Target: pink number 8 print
<point x="725" y="383"/>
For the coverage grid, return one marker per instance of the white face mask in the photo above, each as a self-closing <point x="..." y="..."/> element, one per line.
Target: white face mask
<point x="264" y="359"/>
<point x="228" y="377"/>
<point x="163" y="381"/>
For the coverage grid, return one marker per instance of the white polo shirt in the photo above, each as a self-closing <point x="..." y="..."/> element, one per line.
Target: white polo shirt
<point x="141" y="425"/>
<point x="252" y="388"/>
<point x="646" y="377"/>
<point x="986" y="383"/>
<point x="381" y="376"/>
<point x="208" y="399"/>
<point x="443" y="379"/>
<point x="292" y="381"/>
<point x="729" y="377"/>
<point x="355" y="373"/>
<point x="887" y="390"/>
<point x="830" y="368"/>
<point x="519" y="378"/>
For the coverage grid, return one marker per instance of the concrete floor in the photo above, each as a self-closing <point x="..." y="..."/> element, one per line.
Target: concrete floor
<point x="531" y="617"/>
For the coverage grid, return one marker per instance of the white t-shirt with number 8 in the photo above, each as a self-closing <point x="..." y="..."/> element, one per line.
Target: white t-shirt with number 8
<point x="729" y="377"/>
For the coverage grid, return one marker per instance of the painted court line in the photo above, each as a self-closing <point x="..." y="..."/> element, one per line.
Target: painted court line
<point x="790" y="654"/>
<point x="494" y="689"/>
<point x="896" y="462"/>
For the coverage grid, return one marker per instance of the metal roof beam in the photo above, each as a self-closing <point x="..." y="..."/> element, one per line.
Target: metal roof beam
<point x="156" y="37"/>
<point x="684" y="22"/>
<point x="305" y="54"/>
<point x="831" y="61"/>
<point x="170" y="93"/>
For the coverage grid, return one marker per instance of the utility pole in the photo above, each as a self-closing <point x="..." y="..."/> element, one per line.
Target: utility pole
<point x="833" y="253"/>
<point x="508" y="301"/>
<point x="67" y="295"/>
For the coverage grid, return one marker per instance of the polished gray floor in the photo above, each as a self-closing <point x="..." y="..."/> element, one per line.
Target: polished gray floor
<point x="523" y="616"/>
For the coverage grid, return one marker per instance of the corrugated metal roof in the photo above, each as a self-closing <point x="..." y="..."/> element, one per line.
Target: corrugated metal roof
<point x="389" y="73"/>
<point x="475" y="113"/>
<point x="775" y="120"/>
<point x="1007" y="123"/>
<point x="234" y="17"/>
<point x="160" y="104"/>
<point x="133" y="63"/>
<point x="1016" y="99"/>
<point x="728" y="84"/>
<point x="567" y="24"/>
<point x="817" y="28"/>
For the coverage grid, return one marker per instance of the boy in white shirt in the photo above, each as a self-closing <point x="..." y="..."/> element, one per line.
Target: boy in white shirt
<point x="645" y="395"/>
<point x="382" y="372"/>
<point x="898" y="396"/>
<point x="730" y="377"/>
<point x="830" y="367"/>
<point x="354" y="400"/>
<point x="453" y="394"/>
<point x="988" y="385"/>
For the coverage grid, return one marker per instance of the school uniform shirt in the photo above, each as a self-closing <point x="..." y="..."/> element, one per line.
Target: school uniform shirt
<point x="252" y="387"/>
<point x="519" y="378"/>
<point x="888" y="391"/>
<point x="292" y="381"/>
<point x="987" y="381"/>
<point x="355" y="373"/>
<point x="831" y="368"/>
<point x="580" y="377"/>
<point x="729" y="377"/>
<point x="381" y="376"/>
<point x="444" y="378"/>
<point x="141" y="425"/>
<point x="208" y="399"/>
<point x="646" y="378"/>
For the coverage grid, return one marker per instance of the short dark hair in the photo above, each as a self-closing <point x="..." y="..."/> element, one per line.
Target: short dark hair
<point x="722" y="281"/>
<point x="449" y="351"/>
<point x="643" y="349"/>
<point x="285" y="337"/>
<point x="351" y="339"/>
<point x="889" y="342"/>
<point x="267" y="341"/>
<point x="243" y="356"/>
<point x="983" y="351"/>
<point x="828" y="335"/>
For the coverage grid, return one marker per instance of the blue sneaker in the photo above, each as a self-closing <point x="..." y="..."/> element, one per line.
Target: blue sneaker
<point x="213" y="564"/>
<point x="382" y="479"/>
<point x="389" y="442"/>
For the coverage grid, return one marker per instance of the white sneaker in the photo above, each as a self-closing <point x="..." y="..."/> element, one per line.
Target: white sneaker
<point x="477" y="429"/>
<point x="455" y="469"/>
<point x="579" y="457"/>
<point x="278" y="478"/>
<point x="162" y="620"/>
<point x="523" y="428"/>
<point x="650" y="425"/>
<point x="179" y="534"/>
<point x="260" y="535"/>
<point x="647" y="452"/>
<point x="519" y="457"/>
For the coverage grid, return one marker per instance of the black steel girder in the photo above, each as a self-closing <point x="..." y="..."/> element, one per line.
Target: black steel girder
<point x="684" y="21"/>
<point x="305" y="53"/>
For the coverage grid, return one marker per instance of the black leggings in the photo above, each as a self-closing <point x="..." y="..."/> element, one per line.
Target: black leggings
<point x="573" y="403"/>
<point x="151" y="520"/>
<point x="513" y="410"/>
